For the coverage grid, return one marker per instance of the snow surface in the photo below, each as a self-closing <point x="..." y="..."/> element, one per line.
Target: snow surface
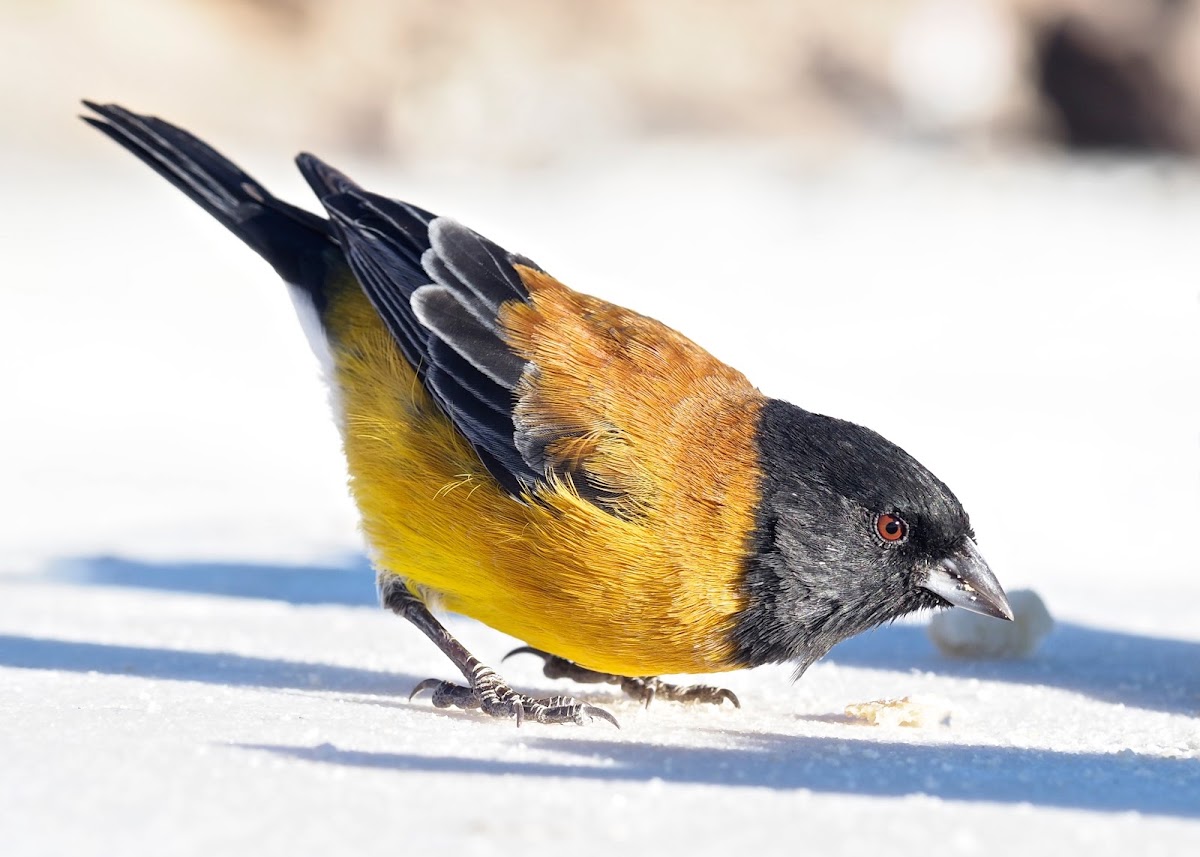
<point x="189" y="652"/>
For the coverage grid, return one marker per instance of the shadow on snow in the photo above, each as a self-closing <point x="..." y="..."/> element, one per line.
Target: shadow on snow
<point x="352" y="585"/>
<point x="225" y="668"/>
<point x="1116" y="782"/>
<point x="1157" y="673"/>
<point x="1119" y="782"/>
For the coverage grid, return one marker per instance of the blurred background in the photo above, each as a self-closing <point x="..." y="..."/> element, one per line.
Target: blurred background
<point x="535" y="81"/>
<point x="969" y="224"/>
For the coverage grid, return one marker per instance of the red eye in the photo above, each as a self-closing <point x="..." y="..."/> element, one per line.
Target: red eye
<point x="891" y="528"/>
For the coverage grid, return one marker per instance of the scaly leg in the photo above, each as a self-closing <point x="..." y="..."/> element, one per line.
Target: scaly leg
<point x="645" y="689"/>
<point x="486" y="690"/>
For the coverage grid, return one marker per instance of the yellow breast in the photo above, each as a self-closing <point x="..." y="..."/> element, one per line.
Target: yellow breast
<point x="617" y="595"/>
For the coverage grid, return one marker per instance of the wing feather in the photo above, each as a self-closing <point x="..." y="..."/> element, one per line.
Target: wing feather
<point x="444" y="325"/>
<point x="550" y="387"/>
<point x="441" y="311"/>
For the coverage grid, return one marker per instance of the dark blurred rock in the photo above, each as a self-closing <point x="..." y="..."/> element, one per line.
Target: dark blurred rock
<point x="1108" y="90"/>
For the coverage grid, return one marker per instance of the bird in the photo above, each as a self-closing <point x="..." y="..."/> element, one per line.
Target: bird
<point x="570" y="472"/>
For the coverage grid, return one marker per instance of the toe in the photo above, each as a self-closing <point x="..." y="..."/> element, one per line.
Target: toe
<point x="725" y="694"/>
<point x="427" y="684"/>
<point x="594" y="713"/>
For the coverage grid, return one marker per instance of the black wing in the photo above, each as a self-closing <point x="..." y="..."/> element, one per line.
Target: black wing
<point x="438" y="287"/>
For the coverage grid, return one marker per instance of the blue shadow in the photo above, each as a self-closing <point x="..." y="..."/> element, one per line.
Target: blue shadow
<point x="1157" y="673"/>
<point x="1119" y="782"/>
<point x="352" y="585"/>
<point x="37" y="653"/>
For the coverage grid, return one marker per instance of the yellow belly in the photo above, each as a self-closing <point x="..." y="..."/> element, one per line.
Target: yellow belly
<point x="558" y="573"/>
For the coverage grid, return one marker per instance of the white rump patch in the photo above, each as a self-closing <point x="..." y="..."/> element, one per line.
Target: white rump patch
<point x="310" y="322"/>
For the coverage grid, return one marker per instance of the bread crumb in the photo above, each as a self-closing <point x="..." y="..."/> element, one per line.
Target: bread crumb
<point x="897" y="712"/>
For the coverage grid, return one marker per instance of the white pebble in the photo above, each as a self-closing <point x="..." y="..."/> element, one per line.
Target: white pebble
<point x="962" y="634"/>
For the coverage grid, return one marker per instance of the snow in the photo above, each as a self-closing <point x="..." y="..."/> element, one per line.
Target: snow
<point x="191" y="659"/>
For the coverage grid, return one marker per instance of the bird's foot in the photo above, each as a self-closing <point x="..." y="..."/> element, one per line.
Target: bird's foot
<point x="489" y="693"/>
<point x="644" y="689"/>
<point x="649" y="688"/>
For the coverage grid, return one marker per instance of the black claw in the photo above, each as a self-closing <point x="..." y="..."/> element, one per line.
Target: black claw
<point x="600" y="714"/>
<point x="427" y="684"/>
<point x="524" y="650"/>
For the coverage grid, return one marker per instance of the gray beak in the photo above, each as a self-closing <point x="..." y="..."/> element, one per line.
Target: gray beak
<point x="965" y="580"/>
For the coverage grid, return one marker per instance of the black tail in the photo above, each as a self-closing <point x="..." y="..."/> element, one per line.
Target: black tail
<point x="299" y="245"/>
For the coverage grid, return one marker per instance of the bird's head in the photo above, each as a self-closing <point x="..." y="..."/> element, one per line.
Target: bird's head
<point x="851" y="532"/>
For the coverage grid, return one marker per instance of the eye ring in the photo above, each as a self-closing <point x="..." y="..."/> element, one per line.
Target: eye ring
<point x="891" y="528"/>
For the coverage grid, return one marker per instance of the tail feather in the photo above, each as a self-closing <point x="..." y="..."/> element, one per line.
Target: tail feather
<point x="295" y="242"/>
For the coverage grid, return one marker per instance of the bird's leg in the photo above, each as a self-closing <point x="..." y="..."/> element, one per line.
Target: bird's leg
<point x="485" y="689"/>
<point x="645" y="689"/>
